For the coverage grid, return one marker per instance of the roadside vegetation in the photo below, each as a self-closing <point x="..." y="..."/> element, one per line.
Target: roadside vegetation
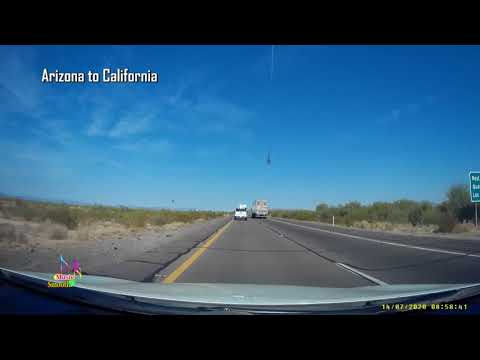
<point x="74" y="216"/>
<point x="455" y="214"/>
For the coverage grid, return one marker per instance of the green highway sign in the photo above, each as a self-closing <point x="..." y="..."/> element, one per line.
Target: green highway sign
<point x="475" y="186"/>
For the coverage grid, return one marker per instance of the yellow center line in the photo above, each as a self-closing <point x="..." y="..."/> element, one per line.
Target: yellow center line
<point x="187" y="263"/>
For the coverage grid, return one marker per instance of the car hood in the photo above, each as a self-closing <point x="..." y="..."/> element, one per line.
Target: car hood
<point x="126" y="295"/>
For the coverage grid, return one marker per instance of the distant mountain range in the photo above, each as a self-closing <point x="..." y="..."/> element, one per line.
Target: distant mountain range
<point x="44" y="199"/>
<point x="74" y="202"/>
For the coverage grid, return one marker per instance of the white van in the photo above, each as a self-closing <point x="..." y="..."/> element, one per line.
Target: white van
<point x="240" y="212"/>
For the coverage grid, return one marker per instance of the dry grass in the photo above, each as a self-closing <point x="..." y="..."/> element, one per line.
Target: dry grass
<point x="463" y="228"/>
<point x="58" y="232"/>
<point x="101" y="230"/>
<point x="386" y="226"/>
<point x="173" y="226"/>
<point x="52" y="231"/>
<point x="84" y="233"/>
<point x="382" y="226"/>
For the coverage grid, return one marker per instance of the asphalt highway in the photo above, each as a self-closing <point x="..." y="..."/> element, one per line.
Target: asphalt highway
<point x="286" y="252"/>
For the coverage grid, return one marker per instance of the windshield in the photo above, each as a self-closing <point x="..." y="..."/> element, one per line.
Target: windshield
<point x="360" y="162"/>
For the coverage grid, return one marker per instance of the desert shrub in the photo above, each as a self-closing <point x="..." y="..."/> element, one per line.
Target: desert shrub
<point x="63" y="216"/>
<point x="459" y="204"/>
<point x="22" y="212"/>
<point x="308" y="215"/>
<point x="321" y="208"/>
<point x="446" y="223"/>
<point x="415" y="216"/>
<point x="348" y="221"/>
<point x="159" y="220"/>
<point x="29" y="214"/>
<point x="381" y="210"/>
<point x="432" y="216"/>
<point x="20" y="203"/>
<point x="426" y="206"/>
<point x="133" y="219"/>
<point x="397" y="216"/>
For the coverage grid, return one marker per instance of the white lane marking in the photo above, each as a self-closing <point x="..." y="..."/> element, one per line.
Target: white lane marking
<point x="380" y="241"/>
<point x="358" y="272"/>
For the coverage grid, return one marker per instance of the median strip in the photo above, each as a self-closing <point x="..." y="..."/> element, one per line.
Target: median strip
<point x="189" y="262"/>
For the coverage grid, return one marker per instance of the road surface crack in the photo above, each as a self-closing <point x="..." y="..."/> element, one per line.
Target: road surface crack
<point x="283" y="236"/>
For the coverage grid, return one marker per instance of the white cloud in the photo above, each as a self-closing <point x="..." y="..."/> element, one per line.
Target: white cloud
<point x="53" y="130"/>
<point x="197" y="108"/>
<point x="178" y="113"/>
<point x="98" y="125"/>
<point x="130" y="125"/>
<point x="17" y="75"/>
<point x="133" y="123"/>
<point x="212" y="115"/>
<point x="102" y="115"/>
<point x="151" y="146"/>
<point x="58" y="131"/>
<point x="178" y="96"/>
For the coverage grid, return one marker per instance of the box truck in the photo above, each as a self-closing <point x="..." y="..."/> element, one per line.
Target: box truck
<point x="259" y="209"/>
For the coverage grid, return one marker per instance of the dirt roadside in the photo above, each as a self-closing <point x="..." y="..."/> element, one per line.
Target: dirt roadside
<point x="100" y="249"/>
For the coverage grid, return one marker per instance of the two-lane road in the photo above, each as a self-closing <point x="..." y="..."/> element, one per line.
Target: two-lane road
<point x="278" y="251"/>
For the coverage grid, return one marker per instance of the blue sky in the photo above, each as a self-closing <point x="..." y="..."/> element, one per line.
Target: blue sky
<point x="366" y="123"/>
